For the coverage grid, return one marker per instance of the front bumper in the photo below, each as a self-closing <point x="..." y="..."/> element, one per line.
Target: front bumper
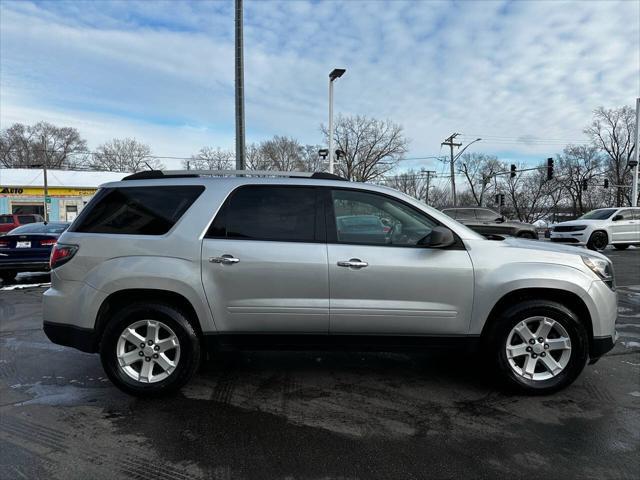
<point x="571" y="238"/>
<point x="600" y="346"/>
<point x="84" y="339"/>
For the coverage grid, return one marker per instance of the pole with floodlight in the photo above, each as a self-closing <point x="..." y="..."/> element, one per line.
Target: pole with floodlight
<point x="335" y="73"/>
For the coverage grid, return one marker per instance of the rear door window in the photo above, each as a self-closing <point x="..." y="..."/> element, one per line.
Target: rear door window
<point x="5" y="219"/>
<point x="274" y="213"/>
<point x="137" y="210"/>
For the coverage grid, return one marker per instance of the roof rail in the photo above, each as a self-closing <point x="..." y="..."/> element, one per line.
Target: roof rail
<point x="151" y="174"/>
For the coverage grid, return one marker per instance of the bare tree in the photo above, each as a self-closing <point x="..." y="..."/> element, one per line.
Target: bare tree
<point x="124" y="155"/>
<point x="372" y="147"/>
<point x="612" y="131"/>
<point x="478" y="170"/>
<point x="209" y="158"/>
<point x="25" y="146"/>
<point x="531" y="196"/>
<point x="253" y="157"/>
<point x="281" y="153"/>
<point x="579" y="164"/>
<point x="411" y="182"/>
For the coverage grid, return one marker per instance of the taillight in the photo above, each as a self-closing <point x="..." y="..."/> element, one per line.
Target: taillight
<point x="61" y="254"/>
<point x="48" y="243"/>
<point x="386" y="229"/>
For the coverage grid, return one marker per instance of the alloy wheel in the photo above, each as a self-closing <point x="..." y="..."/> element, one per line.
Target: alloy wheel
<point x="148" y="351"/>
<point x="600" y="240"/>
<point x="538" y="348"/>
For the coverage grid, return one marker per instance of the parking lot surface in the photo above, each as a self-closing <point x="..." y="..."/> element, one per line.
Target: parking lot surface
<point x="313" y="414"/>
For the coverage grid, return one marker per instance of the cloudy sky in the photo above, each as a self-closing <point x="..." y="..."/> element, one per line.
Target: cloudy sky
<point x="523" y="75"/>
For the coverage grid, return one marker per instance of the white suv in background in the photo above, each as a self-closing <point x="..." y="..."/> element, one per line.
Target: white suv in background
<point x="619" y="227"/>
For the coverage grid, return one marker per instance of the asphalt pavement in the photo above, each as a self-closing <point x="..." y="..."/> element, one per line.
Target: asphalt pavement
<point x="313" y="415"/>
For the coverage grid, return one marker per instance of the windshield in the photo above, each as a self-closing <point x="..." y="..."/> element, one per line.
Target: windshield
<point x="601" y="214"/>
<point x="53" y="228"/>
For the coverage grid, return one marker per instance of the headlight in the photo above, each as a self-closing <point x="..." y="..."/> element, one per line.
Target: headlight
<point x="602" y="268"/>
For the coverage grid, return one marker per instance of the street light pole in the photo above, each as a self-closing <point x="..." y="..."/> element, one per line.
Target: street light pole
<point x="46" y="183"/>
<point x="335" y="73"/>
<point x="634" y="185"/>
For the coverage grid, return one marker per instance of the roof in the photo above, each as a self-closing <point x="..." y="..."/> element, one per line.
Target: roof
<point x="29" y="177"/>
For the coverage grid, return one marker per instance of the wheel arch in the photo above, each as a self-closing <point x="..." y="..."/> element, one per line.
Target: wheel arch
<point x="564" y="297"/>
<point x="124" y="297"/>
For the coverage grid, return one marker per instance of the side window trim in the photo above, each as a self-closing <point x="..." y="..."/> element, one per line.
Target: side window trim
<point x="319" y="230"/>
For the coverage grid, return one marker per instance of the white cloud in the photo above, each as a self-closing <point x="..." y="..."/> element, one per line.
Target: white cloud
<point x="164" y="71"/>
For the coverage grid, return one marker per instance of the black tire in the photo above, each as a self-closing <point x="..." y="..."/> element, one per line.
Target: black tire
<point x="176" y="320"/>
<point x="8" y="276"/>
<point x="620" y="247"/>
<point x="527" y="235"/>
<point x="598" y="241"/>
<point x="497" y="338"/>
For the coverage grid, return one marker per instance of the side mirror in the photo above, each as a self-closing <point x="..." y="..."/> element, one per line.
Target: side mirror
<point x="616" y="218"/>
<point x="499" y="220"/>
<point x="439" y="237"/>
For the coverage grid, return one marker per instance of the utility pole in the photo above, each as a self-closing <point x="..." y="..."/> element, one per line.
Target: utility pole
<point x="239" y="89"/>
<point x="429" y="174"/>
<point x="634" y="184"/>
<point x="46" y="184"/>
<point x="450" y="142"/>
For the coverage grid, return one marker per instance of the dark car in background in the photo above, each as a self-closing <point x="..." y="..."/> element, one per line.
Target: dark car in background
<point x="488" y="222"/>
<point x="13" y="220"/>
<point x="27" y="248"/>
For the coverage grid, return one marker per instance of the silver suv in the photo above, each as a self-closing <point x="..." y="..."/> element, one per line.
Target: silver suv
<point x="160" y="268"/>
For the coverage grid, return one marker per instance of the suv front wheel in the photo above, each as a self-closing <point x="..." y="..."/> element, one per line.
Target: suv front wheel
<point x="539" y="346"/>
<point x="149" y="349"/>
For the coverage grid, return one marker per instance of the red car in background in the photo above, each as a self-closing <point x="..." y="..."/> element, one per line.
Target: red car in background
<point x="10" y="221"/>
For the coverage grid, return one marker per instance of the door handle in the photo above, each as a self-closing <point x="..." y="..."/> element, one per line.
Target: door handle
<point x="353" y="263"/>
<point x="224" y="259"/>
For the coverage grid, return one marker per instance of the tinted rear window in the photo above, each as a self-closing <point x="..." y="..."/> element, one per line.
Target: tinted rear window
<point x="267" y="213"/>
<point x="137" y="210"/>
<point x="6" y="219"/>
<point x="465" y="214"/>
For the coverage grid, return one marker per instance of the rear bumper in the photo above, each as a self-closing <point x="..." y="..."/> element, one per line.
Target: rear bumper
<point x="84" y="339"/>
<point x="38" y="266"/>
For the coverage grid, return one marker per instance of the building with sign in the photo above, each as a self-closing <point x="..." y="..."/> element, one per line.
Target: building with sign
<point x="22" y="191"/>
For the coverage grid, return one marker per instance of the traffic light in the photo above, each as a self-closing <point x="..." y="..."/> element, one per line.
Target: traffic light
<point x="499" y="200"/>
<point x="606" y="183"/>
<point x="513" y="170"/>
<point x="550" y="168"/>
<point x="585" y="184"/>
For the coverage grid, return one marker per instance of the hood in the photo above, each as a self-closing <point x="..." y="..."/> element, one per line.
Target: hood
<point x="551" y="247"/>
<point x="576" y="222"/>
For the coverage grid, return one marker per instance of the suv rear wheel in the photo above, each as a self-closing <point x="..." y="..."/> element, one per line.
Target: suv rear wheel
<point x="539" y="346"/>
<point x="149" y="349"/>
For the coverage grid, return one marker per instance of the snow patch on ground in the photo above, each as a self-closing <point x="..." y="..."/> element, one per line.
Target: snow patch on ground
<point x="27" y="285"/>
